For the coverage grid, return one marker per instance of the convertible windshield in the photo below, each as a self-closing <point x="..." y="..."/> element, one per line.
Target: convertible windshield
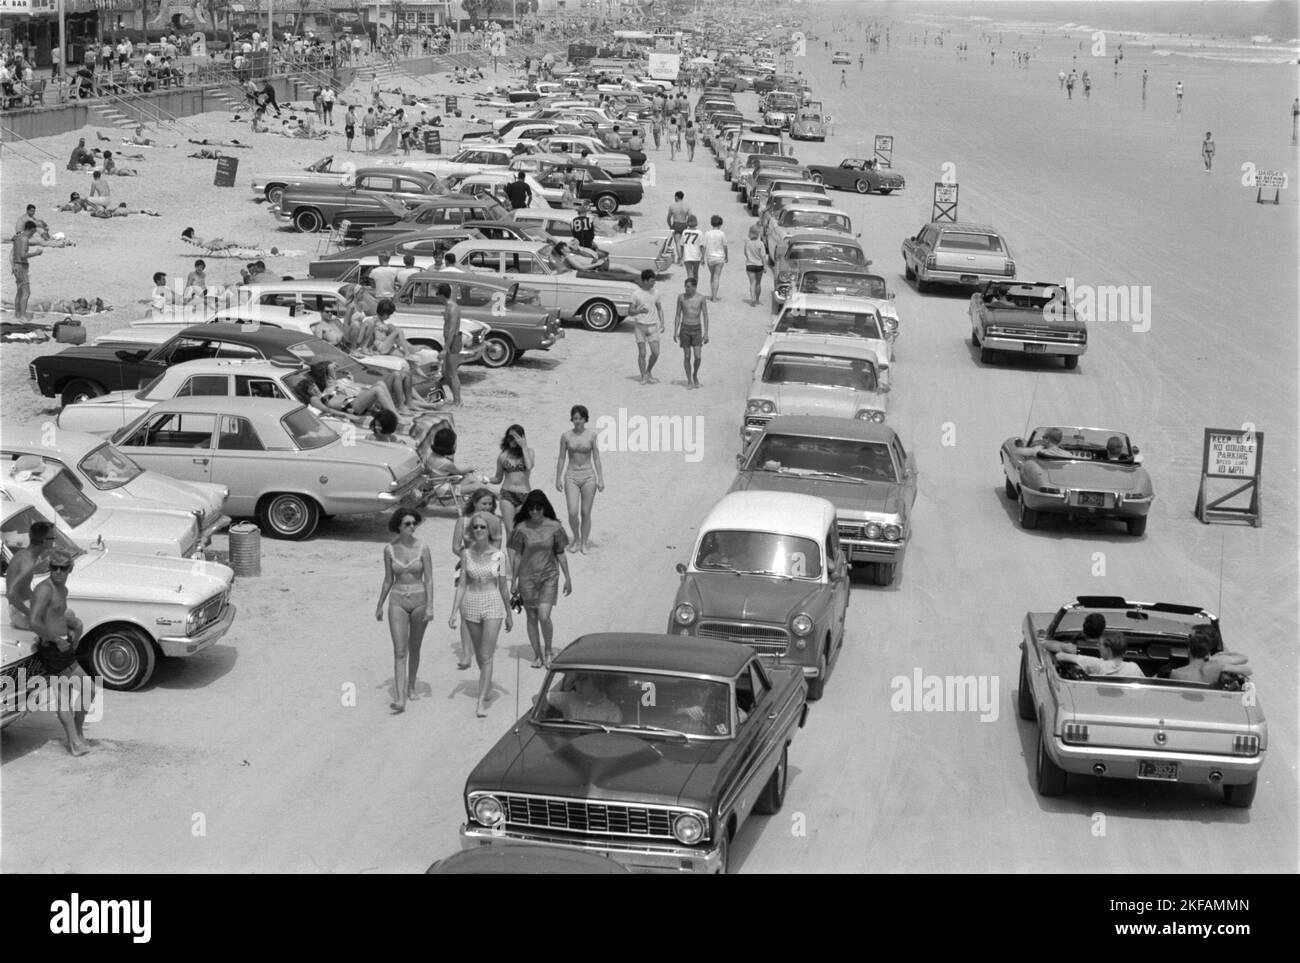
<point x="823" y="370"/>
<point x="309" y="352"/>
<point x="850" y="285"/>
<point x="836" y="457"/>
<point x="654" y="703"/>
<point x="107" y="468"/>
<point x="1086" y="442"/>
<point x="826" y="252"/>
<point x="851" y="324"/>
<point x="763" y="553"/>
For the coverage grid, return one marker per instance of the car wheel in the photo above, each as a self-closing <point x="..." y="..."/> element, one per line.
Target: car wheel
<point x="817" y="178"/>
<point x="607" y="203"/>
<point x="886" y="191"/>
<point x="81" y="390"/>
<point x="1136" y="525"/>
<point x="817" y="686"/>
<point x="975" y="337"/>
<point x="1051" y="777"/>
<point x="1071" y="361"/>
<point x="1025" y="698"/>
<point x="122" y="655"/>
<point x="861" y="186"/>
<point x="908" y="273"/>
<point x="922" y="285"/>
<point x="308" y="220"/>
<point x="1010" y="489"/>
<point x="1241" y="796"/>
<point x="986" y="355"/>
<point x="724" y="853"/>
<point x="744" y="196"/>
<point x="274" y="193"/>
<point x="1028" y="516"/>
<point x="289" y="516"/>
<point x="498" y="351"/>
<point x="884" y="573"/>
<point x="599" y="316"/>
<point x="773" y="795"/>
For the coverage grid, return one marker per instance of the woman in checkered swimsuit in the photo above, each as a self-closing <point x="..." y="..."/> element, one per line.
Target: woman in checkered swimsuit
<point x="482" y="597"/>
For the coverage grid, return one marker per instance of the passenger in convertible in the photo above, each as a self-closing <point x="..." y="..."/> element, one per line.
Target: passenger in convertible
<point x="1113" y="646"/>
<point x="1115" y="450"/>
<point x="1204" y="667"/>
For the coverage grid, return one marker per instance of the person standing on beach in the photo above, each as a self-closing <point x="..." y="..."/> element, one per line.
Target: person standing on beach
<point x="452" y="341"/>
<point x="350" y="126"/>
<point x="1145" y="78"/>
<point x="755" y="258"/>
<point x="368" y="125"/>
<point x="1069" y="86"/>
<point x="327" y="102"/>
<point x="645" y="305"/>
<point x="715" y="254"/>
<point x="692" y="250"/>
<point x="59" y="631"/>
<point x="691" y="329"/>
<point x="408" y="590"/>
<point x="537" y="547"/>
<point x="579" y="475"/>
<point x="679" y="215"/>
<point x="844" y="80"/>
<point x="1295" y="120"/>
<point x="1207" y="152"/>
<point x="1087" y="85"/>
<point x="1178" y="92"/>
<point x="20" y="254"/>
<point x="1061" y="79"/>
<point x="482" y="600"/>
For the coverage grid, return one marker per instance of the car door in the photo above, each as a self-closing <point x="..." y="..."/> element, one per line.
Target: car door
<point x="242" y="463"/>
<point x="752" y="760"/>
<point x="176" y="443"/>
<point x="907" y="463"/>
<point x="837" y="569"/>
<point x="523" y="267"/>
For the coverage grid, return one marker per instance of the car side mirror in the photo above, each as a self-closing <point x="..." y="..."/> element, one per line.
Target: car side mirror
<point x="1136" y="451"/>
<point x="535" y="698"/>
<point x="859" y="235"/>
<point x="680" y="568"/>
<point x="740" y="460"/>
<point x="892" y="296"/>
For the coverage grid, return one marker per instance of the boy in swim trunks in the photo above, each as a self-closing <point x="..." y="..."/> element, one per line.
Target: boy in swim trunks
<point x="691" y="329"/>
<point x="59" y="631"/>
<point x="645" y="305"/>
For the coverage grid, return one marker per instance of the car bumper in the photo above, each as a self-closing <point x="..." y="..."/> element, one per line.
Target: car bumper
<point x="1033" y="346"/>
<point x="218" y="524"/>
<point x="861" y="549"/>
<point x="182" y="645"/>
<point x="943" y="276"/>
<point x="647" y="858"/>
<point x="1070" y="503"/>
<point x="1123" y="764"/>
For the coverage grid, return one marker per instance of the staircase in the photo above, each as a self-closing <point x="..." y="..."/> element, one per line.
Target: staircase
<point x="110" y="116"/>
<point x="227" y="96"/>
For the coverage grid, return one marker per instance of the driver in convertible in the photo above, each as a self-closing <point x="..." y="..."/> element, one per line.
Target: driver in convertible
<point x="1047" y="444"/>
<point x="1113" y="647"/>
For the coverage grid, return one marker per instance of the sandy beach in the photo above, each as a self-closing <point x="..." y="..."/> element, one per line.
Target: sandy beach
<point x="258" y="741"/>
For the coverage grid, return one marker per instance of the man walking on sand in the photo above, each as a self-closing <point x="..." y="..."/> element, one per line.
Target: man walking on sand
<point x="844" y="80"/>
<point x="691" y="329"/>
<point x="645" y="305"/>
<point x="1207" y="152"/>
<point x="1178" y="92"/>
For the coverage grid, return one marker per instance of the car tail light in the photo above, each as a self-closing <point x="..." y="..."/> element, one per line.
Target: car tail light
<point x="1010" y="268"/>
<point x="1048" y="490"/>
<point x="1075" y="732"/>
<point x="1245" y="745"/>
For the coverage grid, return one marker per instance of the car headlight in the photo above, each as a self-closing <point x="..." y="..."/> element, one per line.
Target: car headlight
<point x="487" y="810"/>
<point x="871" y="530"/>
<point x="761" y="406"/>
<point x="892" y="533"/>
<point x="191" y="621"/>
<point x="684" y="614"/>
<point x="891" y="324"/>
<point x="802" y="624"/>
<point x="871" y="414"/>
<point x="688" y="829"/>
<point x="784" y="277"/>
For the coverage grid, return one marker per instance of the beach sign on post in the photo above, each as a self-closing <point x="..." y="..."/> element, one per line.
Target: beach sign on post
<point x="1269" y="180"/>
<point x="432" y="141"/>
<point x="450" y="104"/>
<point x="1236" y="454"/>
<point x="227" y="167"/>
<point x="945" y="202"/>
<point x="884" y="150"/>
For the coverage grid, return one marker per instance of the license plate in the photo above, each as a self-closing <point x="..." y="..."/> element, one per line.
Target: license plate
<point x="1151" y="769"/>
<point x="969" y="279"/>
<point x="1092" y="499"/>
<point x="1035" y="348"/>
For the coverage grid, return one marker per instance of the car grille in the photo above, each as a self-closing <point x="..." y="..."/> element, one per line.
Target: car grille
<point x="757" y="421"/>
<point x="584" y="816"/>
<point x="1046" y="334"/>
<point x="211" y="610"/>
<point x="767" y="639"/>
<point x="29" y="666"/>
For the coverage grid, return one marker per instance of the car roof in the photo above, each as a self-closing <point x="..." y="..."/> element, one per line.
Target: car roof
<point x="812" y="209"/>
<point x="836" y="302"/>
<point x="267" y="312"/>
<point x="772" y="138"/>
<point x="455" y="200"/>
<point x="760" y="511"/>
<point x="826" y="427"/>
<point x="962" y="227"/>
<point x="464" y="277"/>
<point x="245" y="334"/>
<point x="668" y="653"/>
<point x="71" y="444"/>
<point x="503" y="245"/>
<point x="270" y="409"/>
<point x="821" y="237"/>
<point x="300" y="284"/>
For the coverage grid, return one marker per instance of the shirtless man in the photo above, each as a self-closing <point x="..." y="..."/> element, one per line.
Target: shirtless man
<point x="1204" y="667"/>
<point x="59" y="632"/>
<point x="22" y="568"/>
<point x="1048" y="443"/>
<point x="691" y="329"/>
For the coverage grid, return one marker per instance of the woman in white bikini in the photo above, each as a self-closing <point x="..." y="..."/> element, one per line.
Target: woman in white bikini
<point x="408" y="590"/>
<point x="582" y="477"/>
<point x="482" y="599"/>
<point x="480" y="501"/>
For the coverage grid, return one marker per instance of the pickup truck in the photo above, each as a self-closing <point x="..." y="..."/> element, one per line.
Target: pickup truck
<point x="1026" y="318"/>
<point x="956" y="253"/>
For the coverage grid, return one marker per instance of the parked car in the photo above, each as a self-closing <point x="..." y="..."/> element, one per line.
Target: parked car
<point x="58" y="496"/>
<point x="835" y="320"/>
<point x="110" y="479"/>
<point x="797" y="219"/>
<point x="606" y="192"/>
<point x="767" y="571"/>
<point x="1147" y="724"/>
<point x="779" y="108"/>
<point x="841" y="57"/>
<point x="750" y="143"/>
<point x="614" y="164"/>
<point x="271" y="185"/>
<point x="1079" y="477"/>
<point x="281" y="463"/>
<point x="493" y="184"/>
<point x="859" y="174"/>
<point x="767" y="200"/>
<point x="1026" y="318"/>
<point x="659" y="783"/>
<point x="429" y="242"/>
<point x="18" y="661"/>
<point x="857" y="284"/>
<point x="808" y="124"/>
<point x="807" y="250"/>
<point x="756" y="162"/>
<point x="956" y="253"/>
<point x="449" y="210"/>
<point x="375" y="197"/>
<point x="471" y="160"/>
<point x="579" y="296"/>
<point x="860" y="466"/>
<point x="134" y="609"/>
<point x="811" y="376"/>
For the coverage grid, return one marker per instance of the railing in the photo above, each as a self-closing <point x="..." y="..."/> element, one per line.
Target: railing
<point x="8" y="145"/>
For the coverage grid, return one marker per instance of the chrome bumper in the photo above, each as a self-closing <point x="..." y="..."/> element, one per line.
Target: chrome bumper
<point x="218" y="524"/>
<point x="1033" y="345"/>
<point x="1123" y="763"/>
<point x="177" y="645"/>
<point x="660" y="859"/>
<point x="864" y="550"/>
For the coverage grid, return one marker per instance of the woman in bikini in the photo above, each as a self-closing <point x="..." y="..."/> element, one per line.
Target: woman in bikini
<point x="480" y="501"/>
<point x="408" y="590"/>
<point x="582" y="477"/>
<point x="482" y="599"/>
<point x="343" y="398"/>
<point x="514" y="471"/>
<point x="537" y="557"/>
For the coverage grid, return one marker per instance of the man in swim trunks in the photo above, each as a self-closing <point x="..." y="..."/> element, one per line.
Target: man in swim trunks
<point x="645" y="305"/>
<point x="59" y="632"/>
<point x="22" y="568"/>
<point x="691" y="329"/>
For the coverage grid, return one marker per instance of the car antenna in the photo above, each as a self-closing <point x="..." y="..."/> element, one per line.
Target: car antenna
<point x="1219" y="610"/>
<point x="518" y="661"/>
<point x="1030" y="414"/>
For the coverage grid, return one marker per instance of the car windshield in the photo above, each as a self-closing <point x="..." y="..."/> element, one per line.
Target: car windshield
<point x="852" y="285"/>
<point x="844" y="458"/>
<point x="67" y="500"/>
<point x="821" y="220"/>
<point x="144" y="392"/>
<point x="763" y="553"/>
<point x="822" y="370"/>
<point x="107" y="468"/>
<point x="826" y="252"/>
<point x="849" y="324"/>
<point x="1150" y="623"/>
<point x="653" y="703"/>
<point x="306" y="430"/>
<point x="980" y="243"/>
<point x="551" y="262"/>
<point x="17" y="528"/>
<point x="759" y="147"/>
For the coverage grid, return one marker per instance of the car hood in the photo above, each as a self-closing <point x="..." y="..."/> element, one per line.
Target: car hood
<point x="147" y="578"/>
<point x="874" y="496"/>
<point x="568" y="761"/>
<point x="753" y="598"/>
<point x="92" y="352"/>
<point x="800" y="399"/>
<point x="1066" y="473"/>
<point x="154" y="489"/>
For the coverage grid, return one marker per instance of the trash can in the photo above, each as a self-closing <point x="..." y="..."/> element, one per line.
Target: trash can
<point x="246" y="549"/>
